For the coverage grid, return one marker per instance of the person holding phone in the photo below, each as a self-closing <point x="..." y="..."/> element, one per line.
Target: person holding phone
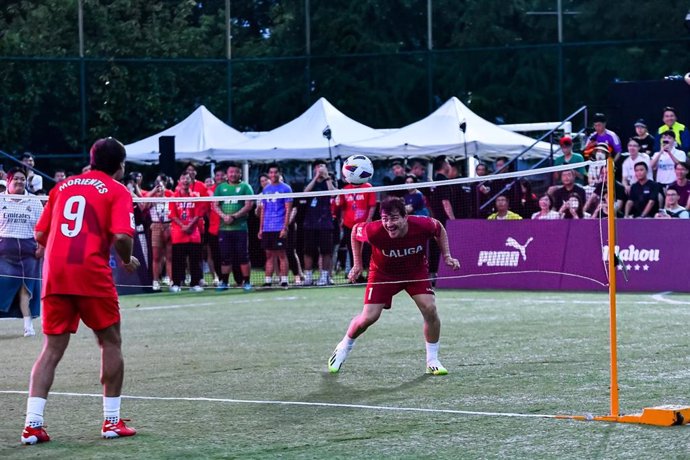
<point x="665" y="160"/>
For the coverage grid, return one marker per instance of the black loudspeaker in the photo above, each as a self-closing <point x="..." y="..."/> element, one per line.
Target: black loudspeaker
<point x="166" y="160"/>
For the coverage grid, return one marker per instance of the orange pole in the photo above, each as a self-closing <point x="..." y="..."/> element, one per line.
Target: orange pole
<point x="610" y="185"/>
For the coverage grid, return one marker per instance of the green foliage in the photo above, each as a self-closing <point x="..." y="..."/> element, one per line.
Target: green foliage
<point x="149" y="63"/>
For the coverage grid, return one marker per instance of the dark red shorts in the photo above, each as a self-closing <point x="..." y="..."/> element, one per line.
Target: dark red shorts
<point x="61" y="313"/>
<point x="382" y="292"/>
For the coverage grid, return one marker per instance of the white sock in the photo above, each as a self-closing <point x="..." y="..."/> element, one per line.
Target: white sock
<point x="111" y="408"/>
<point x="324" y="274"/>
<point x="268" y="279"/>
<point x="432" y="351"/>
<point x="27" y="323"/>
<point x="348" y="341"/>
<point x="308" y="275"/>
<point x="283" y="279"/>
<point x="34" y="411"/>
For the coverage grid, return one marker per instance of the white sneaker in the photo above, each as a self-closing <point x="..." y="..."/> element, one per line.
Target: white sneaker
<point x="175" y="288"/>
<point x="338" y="357"/>
<point x="196" y="288"/>
<point x="435" y="367"/>
<point x="216" y="282"/>
<point x="156" y="285"/>
<point x="187" y="279"/>
<point x="29" y="332"/>
<point x="323" y="281"/>
<point x="166" y="280"/>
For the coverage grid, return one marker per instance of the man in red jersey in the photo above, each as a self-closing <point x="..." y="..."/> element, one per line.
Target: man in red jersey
<point x="84" y="216"/>
<point x="398" y="262"/>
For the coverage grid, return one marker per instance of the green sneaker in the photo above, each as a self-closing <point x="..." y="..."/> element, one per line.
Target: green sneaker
<point x="436" y="368"/>
<point x="338" y="358"/>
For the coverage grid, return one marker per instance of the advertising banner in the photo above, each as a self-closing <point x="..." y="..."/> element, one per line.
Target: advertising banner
<point x="567" y="255"/>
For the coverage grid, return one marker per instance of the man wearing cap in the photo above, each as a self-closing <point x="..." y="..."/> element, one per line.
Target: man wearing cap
<point x="601" y="135"/>
<point x="670" y="118"/>
<point x="569" y="157"/>
<point x="665" y="160"/>
<point x="643" y="138"/>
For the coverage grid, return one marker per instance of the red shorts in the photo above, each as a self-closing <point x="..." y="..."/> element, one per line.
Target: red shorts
<point x="381" y="292"/>
<point x="61" y="313"/>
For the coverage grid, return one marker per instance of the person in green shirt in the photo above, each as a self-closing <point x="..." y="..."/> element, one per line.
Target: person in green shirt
<point x="569" y="157"/>
<point x="233" y="236"/>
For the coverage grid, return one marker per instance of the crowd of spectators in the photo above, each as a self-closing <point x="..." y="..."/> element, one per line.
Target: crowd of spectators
<point x="193" y="243"/>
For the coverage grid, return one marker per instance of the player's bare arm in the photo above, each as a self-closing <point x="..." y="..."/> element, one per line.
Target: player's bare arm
<point x="356" y="269"/>
<point x="442" y="241"/>
<point x="123" y="245"/>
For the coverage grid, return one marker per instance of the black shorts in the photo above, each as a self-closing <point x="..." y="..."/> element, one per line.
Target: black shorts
<point x="234" y="247"/>
<point x="318" y="242"/>
<point x="271" y="241"/>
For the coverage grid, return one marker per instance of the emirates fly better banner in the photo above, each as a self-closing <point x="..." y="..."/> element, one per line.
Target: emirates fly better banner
<point x="568" y="255"/>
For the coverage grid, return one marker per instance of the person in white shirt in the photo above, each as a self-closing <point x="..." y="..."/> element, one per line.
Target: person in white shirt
<point x="546" y="210"/>
<point x="664" y="161"/>
<point x="20" y="282"/>
<point x="34" y="182"/>
<point x="634" y="156"/>
<point x="671" y="207"/>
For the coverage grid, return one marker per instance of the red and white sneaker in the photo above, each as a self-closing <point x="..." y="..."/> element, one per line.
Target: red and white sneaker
<point x="32" y="435"/>
<point x="112" y="430"/>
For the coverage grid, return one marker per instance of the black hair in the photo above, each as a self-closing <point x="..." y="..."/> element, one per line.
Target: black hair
<point x="668" y="108"/>
<point x="439" y="162"/>
<point x="15" y="170"/>
<point x="273" y="165"/>
<point x="392" y="204"/>
<point x="643" y="164"/>
<point x="107" y="155"/>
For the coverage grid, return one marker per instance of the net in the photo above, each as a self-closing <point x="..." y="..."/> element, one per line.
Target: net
<point x="212" y="242"/>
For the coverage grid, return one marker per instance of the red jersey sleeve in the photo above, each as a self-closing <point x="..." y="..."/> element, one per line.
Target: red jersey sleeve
<point x="43" y="224"/>
<point x="360" y="232"/>
<point x="429" y="225"/>
<point x="122" y="213"/>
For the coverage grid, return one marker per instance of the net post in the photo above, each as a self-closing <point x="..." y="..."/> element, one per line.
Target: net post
<point x="610" y="184"/>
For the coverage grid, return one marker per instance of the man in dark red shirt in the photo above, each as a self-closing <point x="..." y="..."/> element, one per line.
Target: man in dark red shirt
<point x="85" y="215"/>
<point x="398" y="262"/>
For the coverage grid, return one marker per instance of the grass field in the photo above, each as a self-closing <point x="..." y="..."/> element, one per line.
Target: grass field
<point x="236" y="375"/>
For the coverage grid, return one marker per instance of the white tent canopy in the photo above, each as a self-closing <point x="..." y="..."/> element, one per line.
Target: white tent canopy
<point x="303" y="138"/>
<point x="441" y="134"/>
<point x="198" y="137"/>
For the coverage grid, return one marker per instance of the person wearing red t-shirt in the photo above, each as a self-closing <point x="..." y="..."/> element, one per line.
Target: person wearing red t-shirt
<point x="398" y="263"/>
<point x="355" y="208"/>
<point x="84" y="216"/>
<point x="211" y="248"/>
<point x="185" y="230"/>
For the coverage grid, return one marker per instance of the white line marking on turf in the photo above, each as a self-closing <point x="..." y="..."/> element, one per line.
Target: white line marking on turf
<point x="660" y="298"/>
<point x="204" y="304"/>
<point x="304" y="403"/>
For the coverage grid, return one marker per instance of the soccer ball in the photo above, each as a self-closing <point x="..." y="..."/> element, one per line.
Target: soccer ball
<point x="357" y="170"/>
